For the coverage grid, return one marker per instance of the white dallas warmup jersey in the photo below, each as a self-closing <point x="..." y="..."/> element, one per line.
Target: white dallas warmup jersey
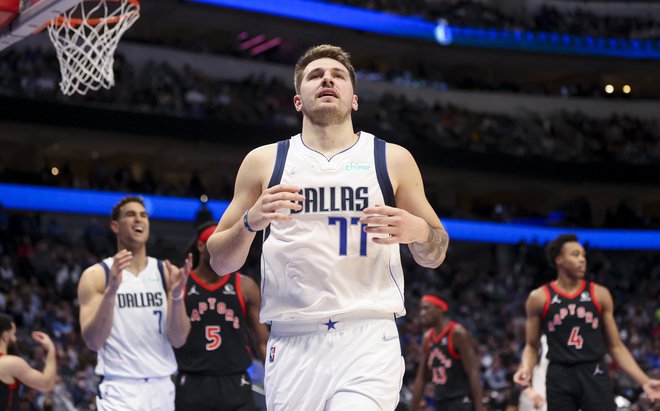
<point x="138" y="346"/>
<point x="322" y="263"/>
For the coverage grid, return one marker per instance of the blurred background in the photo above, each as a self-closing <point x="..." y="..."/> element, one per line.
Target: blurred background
<point x="536" y="112"/>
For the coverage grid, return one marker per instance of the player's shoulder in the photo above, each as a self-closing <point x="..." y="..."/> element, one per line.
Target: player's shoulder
<point x="93" y="276"/>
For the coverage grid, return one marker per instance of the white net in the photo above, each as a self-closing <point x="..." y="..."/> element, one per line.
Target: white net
<point x="85" y="39"/>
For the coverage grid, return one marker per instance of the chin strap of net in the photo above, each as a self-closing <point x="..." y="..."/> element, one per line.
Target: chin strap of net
<point x="85" y="38"/>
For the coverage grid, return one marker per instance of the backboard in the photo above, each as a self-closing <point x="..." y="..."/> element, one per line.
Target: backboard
<point x="32" y="19"/>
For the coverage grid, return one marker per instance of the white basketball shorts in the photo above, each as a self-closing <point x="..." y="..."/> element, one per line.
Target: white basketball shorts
<point x="336" y="364"/>
<point x="135" y="394"/>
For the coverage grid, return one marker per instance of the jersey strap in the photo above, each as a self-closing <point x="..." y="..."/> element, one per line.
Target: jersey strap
<point x="161" y="270"/>
<point x="280" y="160"/>
<point x="106" y="269"/>
<point x="381" y="171"/>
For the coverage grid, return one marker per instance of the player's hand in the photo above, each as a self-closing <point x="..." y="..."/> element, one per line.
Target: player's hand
<point x="522" y="377"/>
<point x="394" y="225"/>
<point x="120" y="262"/>
<point x="652" y="390"/>
<point x="178" y="276"/>
<point x="281" y="197"/>
<point x="538" y="400"/>
<point x="43" y="340"/>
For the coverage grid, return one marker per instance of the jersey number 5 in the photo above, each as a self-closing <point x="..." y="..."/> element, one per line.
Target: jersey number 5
<point x="213" y="337"/>
<point x="575" y="339"/>
<point x="343" y="233"/>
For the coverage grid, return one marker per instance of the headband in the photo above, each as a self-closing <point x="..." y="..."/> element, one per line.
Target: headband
<point x="204" y="236"/>
<point x="437" y="301"/>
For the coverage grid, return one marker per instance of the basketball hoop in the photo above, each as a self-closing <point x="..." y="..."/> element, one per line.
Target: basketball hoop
<point x="85" y="38"/>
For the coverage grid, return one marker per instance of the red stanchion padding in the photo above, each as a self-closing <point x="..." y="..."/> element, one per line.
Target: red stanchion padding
<point x="8" y="11"/>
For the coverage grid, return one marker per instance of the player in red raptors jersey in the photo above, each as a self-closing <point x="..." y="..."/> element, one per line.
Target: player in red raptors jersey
<point x="449" y="361"/>
<point x="15" y="371"/>
<point x="214" y="360"/>
<point x="577" y="317"/>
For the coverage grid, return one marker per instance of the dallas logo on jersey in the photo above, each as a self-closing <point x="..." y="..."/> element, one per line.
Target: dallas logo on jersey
<point x="344" y="198"/>
<point x="137" y="300"/>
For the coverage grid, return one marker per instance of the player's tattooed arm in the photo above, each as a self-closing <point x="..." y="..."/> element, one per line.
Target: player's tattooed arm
<point x="431" y="252"/>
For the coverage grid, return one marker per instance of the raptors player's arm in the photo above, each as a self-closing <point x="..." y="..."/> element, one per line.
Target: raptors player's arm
<point x="534" y="309"/>
<point x="178" y="323"/>
<point x="423" y="375"/>
<point x="618" y="350"/>
<point x="230" y="244"/>
<point x="97" y="299"/>
<point x="463" y="341"/>
<point x="413" y="220"/>
<point x="14" y="368"/>
<point x="258" y="331"/>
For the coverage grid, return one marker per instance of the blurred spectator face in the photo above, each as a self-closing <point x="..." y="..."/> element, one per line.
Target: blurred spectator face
<point x="132" y="226"/>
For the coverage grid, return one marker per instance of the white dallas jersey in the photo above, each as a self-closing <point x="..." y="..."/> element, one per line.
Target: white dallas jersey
<point x="322" y="263"/>
<point x="138" y="346"/>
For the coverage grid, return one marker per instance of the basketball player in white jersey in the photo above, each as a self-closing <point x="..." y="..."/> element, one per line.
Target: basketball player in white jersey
<point x="334" y="206"/>
<point x="132" y="313"/>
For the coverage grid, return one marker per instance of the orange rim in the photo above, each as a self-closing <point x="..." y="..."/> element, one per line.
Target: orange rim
<point x="75" y="22"/>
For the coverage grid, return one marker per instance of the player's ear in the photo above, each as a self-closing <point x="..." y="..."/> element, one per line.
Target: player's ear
<point x="354" y="103"/>
<point x="114" y="226"/>
<point x="297" y="103"/>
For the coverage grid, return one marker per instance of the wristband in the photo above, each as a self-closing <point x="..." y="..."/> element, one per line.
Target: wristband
<point x="245" y="223"/>
<point x="180" y="297"/>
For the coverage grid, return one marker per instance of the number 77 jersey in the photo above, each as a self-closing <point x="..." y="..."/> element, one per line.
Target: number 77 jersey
<point x="322" y="263"/>
<point x="572" y="324"/>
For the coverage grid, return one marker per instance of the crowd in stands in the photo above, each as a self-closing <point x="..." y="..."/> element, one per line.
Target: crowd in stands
<point x="546" y="18"/>
<point x="485" y="284"/>
<point x="157" y="88"/>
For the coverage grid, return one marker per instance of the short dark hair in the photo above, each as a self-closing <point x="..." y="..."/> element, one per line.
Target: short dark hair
<point x="5" y="323"/>
<point x="553" y="249"/>
<point x="318" y="52"/>
<point x="114" y="215"/>
<point x="192" y="247"/>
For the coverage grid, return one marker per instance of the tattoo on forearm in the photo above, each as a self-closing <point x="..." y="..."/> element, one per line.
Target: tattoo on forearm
<point x="432" y="251"/>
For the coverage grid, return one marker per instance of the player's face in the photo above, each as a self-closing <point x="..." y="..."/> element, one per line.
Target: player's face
<point x="573" y="259"/>
<point x="429" y="313"/>
<point x="9" y="338"/>
<point x="132" y="226"/>
<point x="326" y="92"/>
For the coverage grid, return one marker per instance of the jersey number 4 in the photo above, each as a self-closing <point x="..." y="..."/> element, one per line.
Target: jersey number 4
<point x="213" y="337"/>
<point x="575" y="339"/>
<point x="343" y="233"/>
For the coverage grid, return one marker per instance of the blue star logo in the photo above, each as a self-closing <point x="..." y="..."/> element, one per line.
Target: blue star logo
<point x="330" y="324"/>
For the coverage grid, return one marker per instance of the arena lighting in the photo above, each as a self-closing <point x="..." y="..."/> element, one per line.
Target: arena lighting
<point x="73" y="201"/>
<point x="627" y="89"/>
<point x="441" y="33"/>
<point x="609" y="89"/>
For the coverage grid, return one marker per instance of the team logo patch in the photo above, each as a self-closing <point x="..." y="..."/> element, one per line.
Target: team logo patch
<point x="271" y="356"/>
<point x="229" y="290"/>
<point x="585" y="296"/>
<point x="555" y="300"/>
<point x="193" y="290"/>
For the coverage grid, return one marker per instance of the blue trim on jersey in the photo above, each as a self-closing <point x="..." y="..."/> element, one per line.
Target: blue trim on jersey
<point x="280" y="160"/>
<point x="403" y="298"/>
<point x="334" y="155"/>
<point x="278" y="170"/>
<point x="107" y="271"/>
<point x="381" y="172"/>
<point x="161" y="270"/>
